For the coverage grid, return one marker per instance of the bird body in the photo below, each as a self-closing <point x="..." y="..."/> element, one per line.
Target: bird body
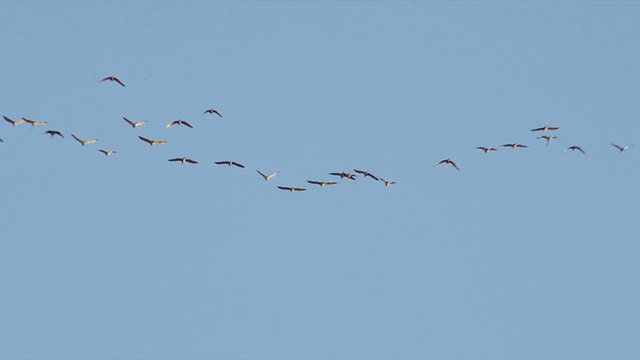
<point x="152" y="142"/>
<point x="229" y="162"/>
<point x="112" y="78"/>
<point x="386" y="182"/>
<point x="212" y="111"/>
<point x="84" y="142"/>
<point x="548" y="138"/>
<point x="54" y="132"/>
<point x="267" y="177"/>
<point x="134" y="124"/>
<point x="620" y="148"/>
<point x="574" y="147"/>
<point x="448" y="161"/>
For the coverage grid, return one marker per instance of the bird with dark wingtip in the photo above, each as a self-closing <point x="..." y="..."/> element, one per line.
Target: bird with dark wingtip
<point x="448" y="161"/>
<point x="179" y="122"/>
<point x="514" y="145"/>
<point x="574" y="148"/>
<point x="344" y="175"/>
<point x="183" y="160"/>
<point x="546" y="128"/>
<point x="366" y="173"/>
<point x="53" y="133"/>
<point x="211" y="112"/>
<point x="322" y="183"/>
<point x="152" y="142"/>
<point x="486" y="150"/>
<point x="229" y="162"/>
<point x="113" y="79"/>
<point x="291" y="189"/>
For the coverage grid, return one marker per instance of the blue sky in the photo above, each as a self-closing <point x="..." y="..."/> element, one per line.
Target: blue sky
<point x="522" y="253"/>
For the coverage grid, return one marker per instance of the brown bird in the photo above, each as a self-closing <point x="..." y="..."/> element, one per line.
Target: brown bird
<point x="179" y="122"/>
<point x="514" y="146"/>
<point x="13" y="122"/>
<point x="112" y="78"/>
<point x="152" y="142"/>
<point x="322" y="183"/>
<point x="83" y="142"/>
<point x="344" y="175"/>
<point x="366" y="173"/>
<point x="620" y="148"/>
<point x="184" y="160"/>
<point x="545" y="128"/>
<point x="229" y="162"/>
<point x="134" y="124"/>
<point x="212" y="111"/>
<point x="267" y="177"/>
<point x="448" y="161"/>
<point x="54" y="132"/>
<point x="387" y="183"/>
<point x="548" y="138"/>
<point x="574" y="147"/>
<point x="33" y="123"/>
<point x="486" y="149"/>
<point x="107" y="153"/>
<point x="291" y="189"/>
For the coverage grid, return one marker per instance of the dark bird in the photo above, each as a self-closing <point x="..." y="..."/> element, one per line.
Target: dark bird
<point x="1" y="140"/>
<point x="179" y="122"/>
<point x="107" y="153"/>
<point x="134" y="124"/>
<point x="514" y="146"/>
<point x="387" y="183"/>
<point x="267" y="177"/>
<point x="229" y="162"/>
<point x="486" y="149"/>
<point x="33" y="123"/>
<point x="366" y="173"/>
<point x="54" y="132"/>
<point x="13" y="122"/>
<point x="83" y="142"/>
<point x="322" y="183"/>
<point x="344" y="175"/>
<point x="545" y="128"/>
<point x="291" y="189"/>
<point x="448" y="161"/>
<point x="112" y="78"/>
<point x="574" y="147"/>
<point x="212" y="111"/>
<point x="152" y="142"/>
<point x="183" y="160"/>
<point x="548" y="138"/>
<point x="620" y="148"/>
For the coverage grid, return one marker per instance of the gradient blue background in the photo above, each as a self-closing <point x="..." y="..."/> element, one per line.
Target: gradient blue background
<point x="523" y="253"/>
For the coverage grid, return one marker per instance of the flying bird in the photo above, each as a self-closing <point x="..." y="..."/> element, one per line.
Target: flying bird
<point x="322" y="183"/>
<point x="386" y="182"/>
<point x="152" y="142"/>
<point x="179" y="122"/>
<point x="545" y="128"/>
<point x="212" y="111"/>
<point x="183" y="160"/>
<point x="83" y="142"/>
<point x="514" y="146"/>
<point x="13" y="122"/>
<point x="112" y="78"/>
<point x="620" y="148"/>
<point x="291" y="189"/>
<point x="548" y="138"/>
<point x="33" y="123"/>
<point x="344" y="175"/>
<point x="54" y="132"/>
<point x="486" y="149"/>
<point x="134" y="124"/>
<point x="574" y="147"/>
<point x="366" y="173"/>
<point x="267" y="177"/>
<point x="229" y="162"/>
<point x="448" y="161"/>
<point x="107" y="153"/>
<point x="1" y="140"/>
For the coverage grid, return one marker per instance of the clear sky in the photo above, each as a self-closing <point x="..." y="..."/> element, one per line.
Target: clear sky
<point x="523" y="253"/>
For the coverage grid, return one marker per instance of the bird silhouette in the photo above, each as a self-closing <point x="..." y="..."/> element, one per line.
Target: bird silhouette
<point x="107" y="152"/>
<point x="620" y="148"/>
<point x="486" y="149"/>
<point x="179" y="122"/>
<point x="545" y="128"/>
<point x="291" y="189"/>
<point x="134" y="124"/>
<point x="448" y="161"/>
<point x="514" y="146"/>
<point x="34" y="123"/>
<point x="54" y="132"/>
<point x="366" y="173"/>
<point x="344" y="175"/>
<point x="212" y="111"/>
<point x="84" y="142"/>
<point x="229" y="162"/>
<point x="267" y="177"/>
<point x="322" y="183"/>
<point x="112" y="78"/>
<point x="386" y="182"/>
<point x="152" y="142"/>
<point x="13" y="122"/>
<point x="183" y="160"/>
<point x="574" y="147"/>
<point x="548" y="138"/>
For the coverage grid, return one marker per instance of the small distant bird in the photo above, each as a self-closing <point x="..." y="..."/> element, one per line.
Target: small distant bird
<point x="514" y="146"/>
<point x="229" y="162"/>
<point x="34" y="123"/>
<point x="1" y="140"/>
<point x="152" y="142"/>
<point x="212" y="111"/>
<point x="291" y="189"/>
<point x="83" y="142"/>
<point x="179" y="122"/>
<point x="366" y="173"/>
<point x="267" y="177"/>
<point x="486" y="149"/>
<point x="322" y="183"/>
<point x="344" y="175"/>
<point x="545" y="128"/>
<point x="13" y="122"/>
<point x="54" y="132"/>
<point x="448" y="161"/>
<point x="548" y="138"/>
<point x="134" y="124"/>
<point x="573" y="148"/>
<point x="386" y="182"/>
<point x="620" y="148"/>
<point x="112" y="78"/>
<point x="184" y="160"/>
<point x="107" y="153"/>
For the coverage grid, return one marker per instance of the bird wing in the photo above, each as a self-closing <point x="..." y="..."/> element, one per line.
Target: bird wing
<point x="90" y="141"/>
<point x="78" y="139"/>
<point x="236" y="164"/>
<point x="118" y="81"/>
<point x="175" y="159"/>
<point x="187" y="124"/>
<point x="171" y="124"/>
<point x="143" y="139"/>
<point x="284" y="188"/>
<point x="129" y="122"/>
<point x="191" y="161"/>
<point x="454" y="165"/>
<point x="314" y="182"/>
<point x="261" y="174"/>
<point x="221" y="162"/>
<point x="299" y="189"/>
<point x="8" y="120"/>
<point x="28" y="120"/>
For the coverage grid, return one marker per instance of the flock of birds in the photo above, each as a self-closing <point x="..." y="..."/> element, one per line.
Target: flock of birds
<point x="267" y="177"/>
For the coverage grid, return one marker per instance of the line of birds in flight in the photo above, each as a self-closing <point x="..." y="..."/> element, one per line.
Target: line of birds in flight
<point x="183" y="160"/>
<point x="268" y="177"/>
